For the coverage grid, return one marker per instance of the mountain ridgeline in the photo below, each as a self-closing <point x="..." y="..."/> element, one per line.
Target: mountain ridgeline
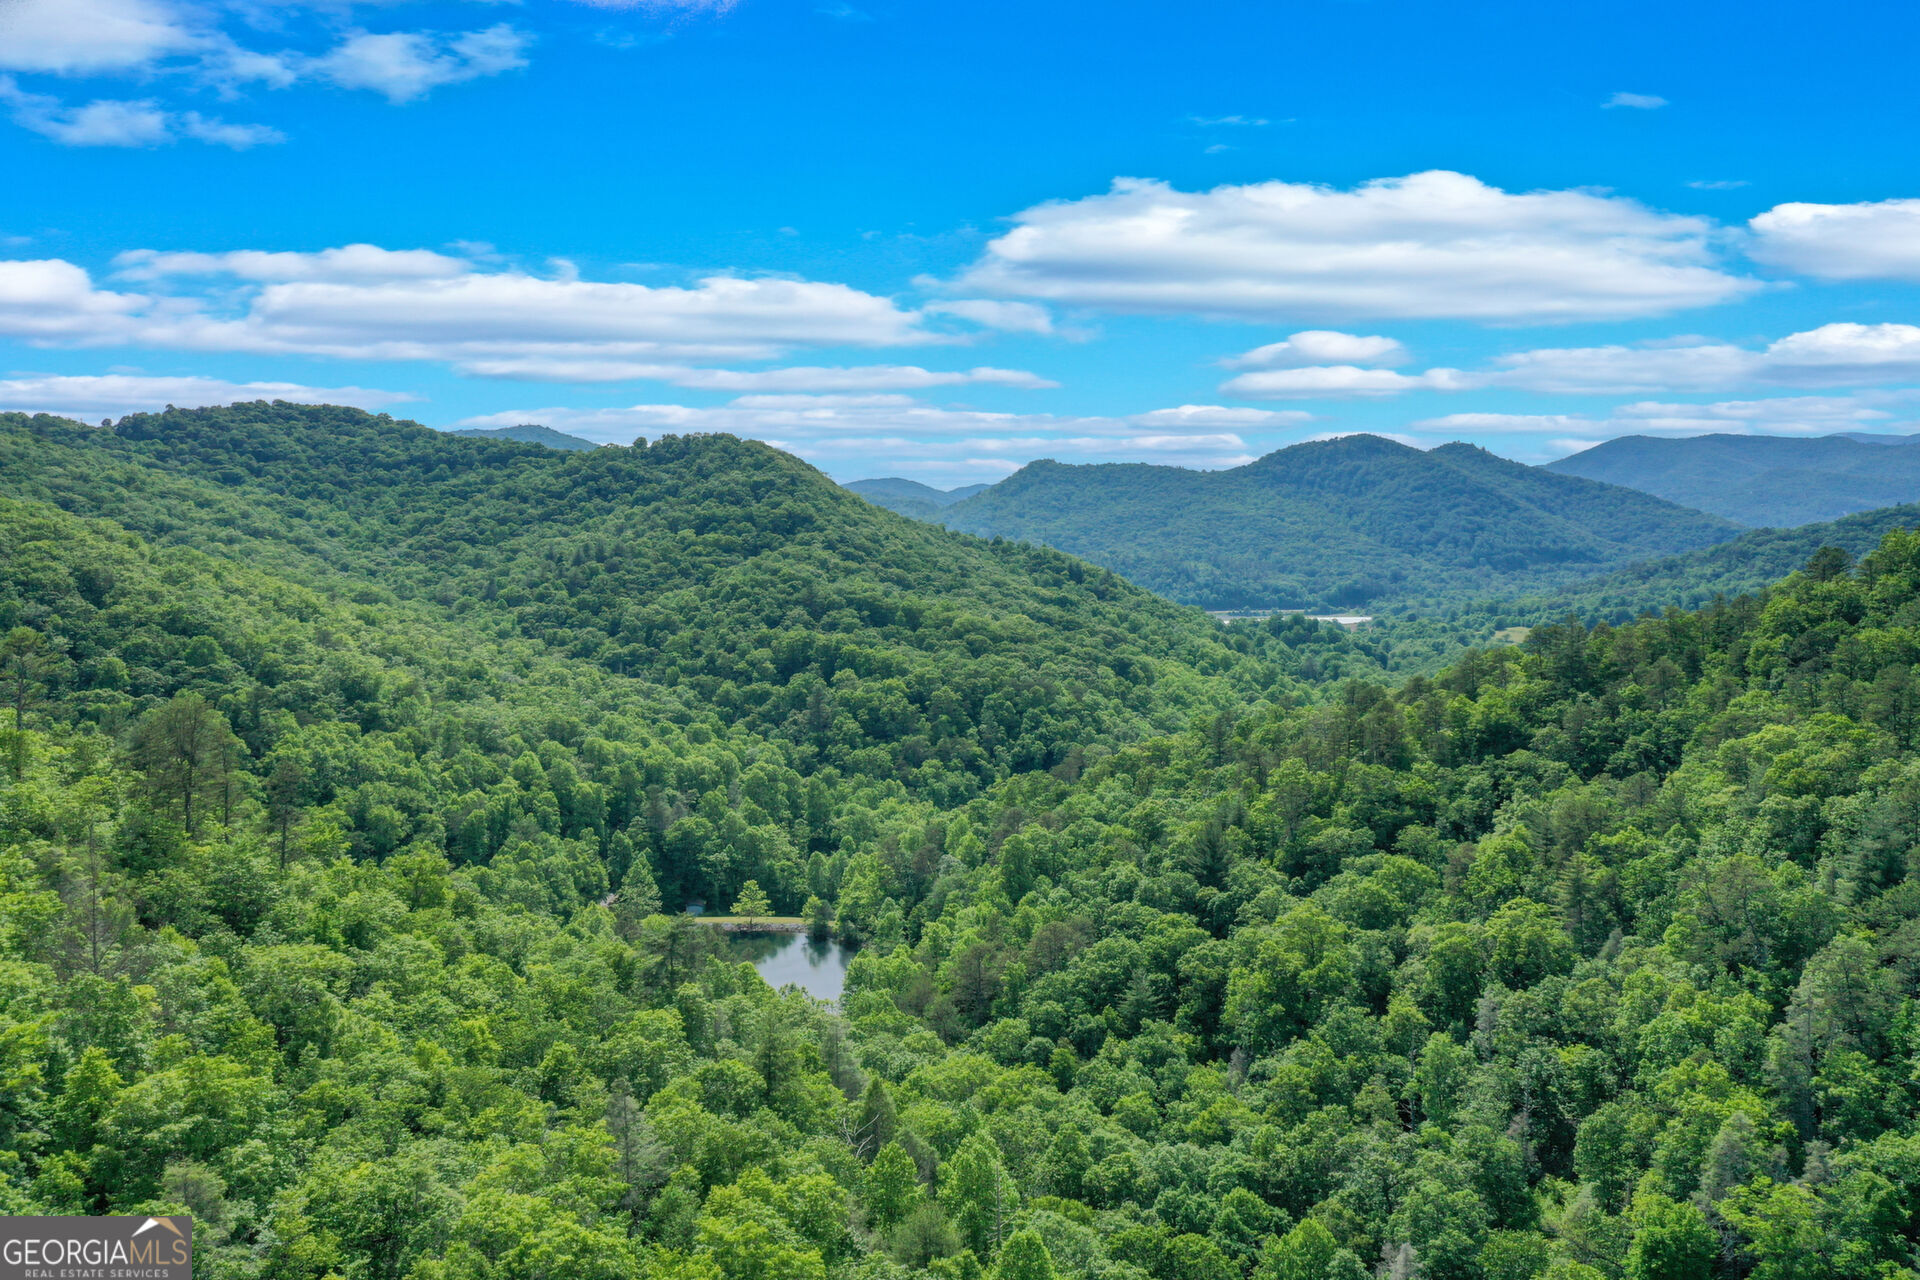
<point x="1759" y="481"/>
<point x="910" y="497"/>
<point x="352" y="777"/>
<point x="1352" y="522"/>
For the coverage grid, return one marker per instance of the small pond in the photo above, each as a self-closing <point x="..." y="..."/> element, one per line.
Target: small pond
<point x="818" y="967"/>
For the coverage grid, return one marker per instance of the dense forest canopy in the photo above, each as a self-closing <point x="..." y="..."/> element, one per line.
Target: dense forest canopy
<point x="343" y="809"/>
<point x="1359" y="521"/>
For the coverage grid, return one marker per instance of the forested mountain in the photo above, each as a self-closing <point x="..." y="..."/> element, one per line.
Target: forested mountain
<point x="910" y="497"/>
<point x="1421" y="642"/>
<point x="1351" y="522"/>
<point x="1758" y="481"/>
<point x="726" y="571"/>
<point x="345" y="769"/>
<point x="528" y="433"/>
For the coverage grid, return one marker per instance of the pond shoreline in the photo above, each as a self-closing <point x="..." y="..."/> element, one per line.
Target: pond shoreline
<point x="790" y="958"/>
<point x="758" y="926"/>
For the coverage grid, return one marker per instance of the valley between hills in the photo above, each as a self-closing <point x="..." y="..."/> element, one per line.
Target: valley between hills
<point x="357" y="778"/>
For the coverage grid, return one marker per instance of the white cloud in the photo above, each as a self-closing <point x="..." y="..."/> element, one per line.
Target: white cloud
<point x="511" y="314"/>
<point x="1700" y="366"/>
<point x="475" y="316"/>
<point x="1434" y="244"/>
<point x="1320" y="346"/>
<point x="1878" y="241"/>
<point x="405" y="65"/>
<point x="160" y="41"/>
<point x="1010" y="317"/>
<point x="1718" y="184"/>
<point x="801" y="378"/>
<point x="50" y="301"/>
<point x="114" y="121"/>
<point x="827" y="429"/>
<point x="88" y="37"/>
<point x="221" y="133"/>
<point x="353" y="263"/>
<point x="1338" y="380"/>
<point x="1635" y="101"/>
<point x="1214" y="122"/>
<point x="1454" y="424"/>
<point x="100" y="123"/>
<point x="107" y="122"/>
<point x="1784" y="415"/>
<point x="1836" y="354"/>
<point x="1214" y="415"/>
<point x="1833" y="355"/>
<point x="106" y="395"/>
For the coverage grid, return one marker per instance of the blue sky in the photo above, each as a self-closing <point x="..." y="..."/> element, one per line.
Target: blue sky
<point x="943" y="240"/>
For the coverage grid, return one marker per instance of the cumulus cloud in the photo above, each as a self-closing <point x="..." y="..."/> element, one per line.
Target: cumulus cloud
<point x="1214" y="415"/>
<point x="112" y="122"/>
<point x="405" y="65"/>
<point x="830" y="429"/>
<point x="1010" y="317"/>
<point x="1436" y="244"/>
<point x="1635" y="101"/>
<point x="1833" y="355"/>
<point x="1320" y="346"/>
<point x="1873" y="241"/>
<point x="141" y="39"/>
<point x="100" y="123"/>
<point x="50" y="301"/>
<point x="353" y="263"/>
<point x="1784" y="415"/>
<point x="360" y="302"/>
<point x="367" y="302"/>
<point x="90" y="37"/>
<point x="1343" y="380"/>
<point x="891" y="377"/>
<point x="107" y="395"/>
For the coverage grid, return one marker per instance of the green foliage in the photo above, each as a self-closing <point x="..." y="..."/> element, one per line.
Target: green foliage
<point x="336" y="913"/>
<point x="1359" y="521"/>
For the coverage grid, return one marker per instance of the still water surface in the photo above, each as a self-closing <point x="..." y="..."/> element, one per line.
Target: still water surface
<point x="819" y="968"/>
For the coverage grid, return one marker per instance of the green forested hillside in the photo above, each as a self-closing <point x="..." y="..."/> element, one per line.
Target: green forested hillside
<point x="330" y="894"/>
<point x="1421" y="641"/>
<point x="732" y="574"/>
<point x="1357" y="521"/>
<point x="1759" y="481"/>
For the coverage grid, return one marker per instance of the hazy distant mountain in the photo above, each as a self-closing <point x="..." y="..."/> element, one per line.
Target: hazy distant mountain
<point x="528" y="433"/>
<point x="1875" y="437"/>
<point x="1760" y="480"/>
<point x="910" y="497"/>
<point x="1337" y="523"/>
<point x="1691" y="579"/>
